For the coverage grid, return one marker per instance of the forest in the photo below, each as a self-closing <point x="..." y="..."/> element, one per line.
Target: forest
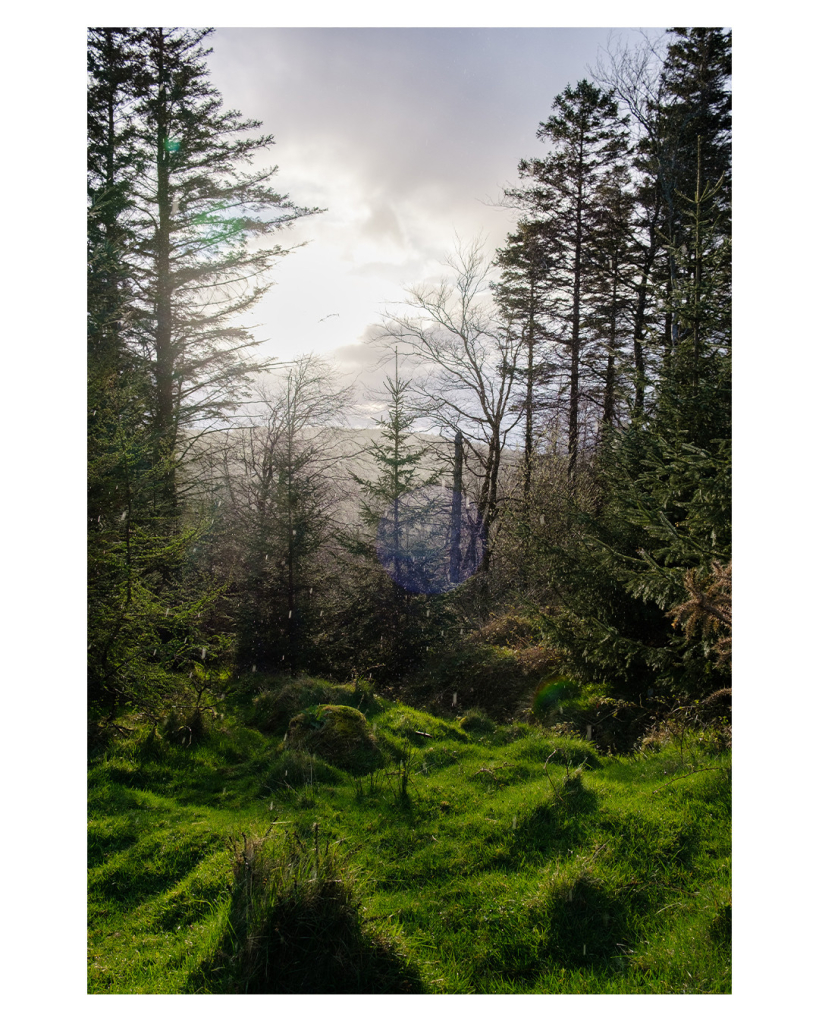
<point x="443" y="705"/>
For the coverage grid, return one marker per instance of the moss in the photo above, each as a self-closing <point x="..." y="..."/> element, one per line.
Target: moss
<point x="337" y="733"/>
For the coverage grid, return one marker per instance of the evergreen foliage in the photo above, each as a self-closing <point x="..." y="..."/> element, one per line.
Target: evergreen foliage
<point x="589" y="145"/>
<point x="279" y="515"/>
<point x="391" y="624"/>
<point x="605" y="344"/>
<point x="663" y="514"/>
<point x="170" y="216"/>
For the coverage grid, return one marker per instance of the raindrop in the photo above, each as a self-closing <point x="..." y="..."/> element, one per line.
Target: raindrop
<point x="167" y="612"/>
<point x="427" y="612"/>
<point x="154" y="654"/>
<point x="454" y="699"/>
<point x="282" y="657"/>
<point x="290" y="614"/>
<point x="203" y="653"/>
<point x="253" y="669"/>
<point x="294" y="533"/>
<point x="311" y="590"/>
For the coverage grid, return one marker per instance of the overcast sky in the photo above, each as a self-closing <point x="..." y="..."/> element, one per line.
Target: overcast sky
<point x="407" y="136"/>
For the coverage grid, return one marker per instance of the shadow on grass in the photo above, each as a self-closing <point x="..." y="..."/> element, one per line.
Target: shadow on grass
<point x="295" y="927"/>
<point x="562" y="823"/>
<point x="589" y="925"/>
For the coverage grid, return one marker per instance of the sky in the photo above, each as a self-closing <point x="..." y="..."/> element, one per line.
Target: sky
<point x="407" y="138"/>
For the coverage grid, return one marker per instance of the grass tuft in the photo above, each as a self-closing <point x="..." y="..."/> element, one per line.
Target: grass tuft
<point x="295" y="925"/>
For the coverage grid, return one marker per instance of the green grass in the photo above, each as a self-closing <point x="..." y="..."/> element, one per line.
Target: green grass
<point x="480" y="859"/>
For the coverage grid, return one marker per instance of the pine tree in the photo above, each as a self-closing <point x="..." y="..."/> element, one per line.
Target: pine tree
<point x="663" y="522"/>
<point x="588" y="140"/>
<point x="401" y="552"/>
<point x="168" y="268"/>
<point x="196" y="212"/>
<point x="613" y="291"/>
<point x="695" y="117"/>
<point x="526" y="299"/>
<point x="397" y="504"/>
<point x="689" y="146"/>
<point x="675" y="91"/>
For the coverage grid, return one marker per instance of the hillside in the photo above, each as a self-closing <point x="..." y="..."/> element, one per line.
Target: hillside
<point x="466" y="857"/>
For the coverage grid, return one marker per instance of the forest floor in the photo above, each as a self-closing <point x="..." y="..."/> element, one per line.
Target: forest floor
<point x="471" y="857"/>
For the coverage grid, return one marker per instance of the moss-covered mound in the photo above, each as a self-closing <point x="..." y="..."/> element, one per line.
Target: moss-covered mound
<point x="337" y="733"/>
<point x="278" y="699"/>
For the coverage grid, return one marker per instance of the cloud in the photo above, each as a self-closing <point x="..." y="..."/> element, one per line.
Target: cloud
<point x="406" y="136"/>
<point x="382" y="224"/>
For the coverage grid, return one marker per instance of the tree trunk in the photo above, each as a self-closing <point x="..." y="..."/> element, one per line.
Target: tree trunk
<point x="165" y="404"/>
<point x="455" y="528"/>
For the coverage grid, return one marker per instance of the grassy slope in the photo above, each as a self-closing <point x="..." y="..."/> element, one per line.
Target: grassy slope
<point x="493" y="873"/>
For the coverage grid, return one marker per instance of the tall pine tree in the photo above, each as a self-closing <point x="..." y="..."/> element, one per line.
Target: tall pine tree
<point x="588" y="141"/>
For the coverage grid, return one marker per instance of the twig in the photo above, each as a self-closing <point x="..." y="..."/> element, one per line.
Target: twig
<point x="696" y="770"/>
<point x="549" y="777"/>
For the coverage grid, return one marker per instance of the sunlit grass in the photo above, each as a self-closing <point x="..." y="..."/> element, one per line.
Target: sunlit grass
<point x="488" y="858"/>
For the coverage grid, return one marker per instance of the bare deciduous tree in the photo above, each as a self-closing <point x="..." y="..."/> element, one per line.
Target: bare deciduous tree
<point x="466" y="358"/>
<point x="278" y="474"/>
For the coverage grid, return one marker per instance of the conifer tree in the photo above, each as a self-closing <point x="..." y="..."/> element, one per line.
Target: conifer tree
<point x="386" y="504"/>
<point x="196" y="210"/>
<point x="525" y="294"/>
<point x="170" y="212"/>
<point x="402" y="553"/>
<point x="611" y="317"/>
<point x="664" y="519"/>
<point x="588" y="140"/>
<point x="689" y="142"/>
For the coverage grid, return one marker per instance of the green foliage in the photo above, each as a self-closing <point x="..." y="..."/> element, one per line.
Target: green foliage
<point x="663" y="510"/>
<point x="395" y="622"/>
<point x="158" y="359"/>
